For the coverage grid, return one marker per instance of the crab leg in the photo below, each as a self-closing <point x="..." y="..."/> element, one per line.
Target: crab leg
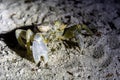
<point x="20" y="35"/>
<point x="29" y="38"/>
<point x="87" y="29"/>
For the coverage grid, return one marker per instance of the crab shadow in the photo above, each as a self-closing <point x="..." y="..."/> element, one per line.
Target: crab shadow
<point x="11" y="41"/>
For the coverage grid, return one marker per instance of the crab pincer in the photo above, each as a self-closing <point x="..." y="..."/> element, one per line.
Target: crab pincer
<point x="39" y="49"/>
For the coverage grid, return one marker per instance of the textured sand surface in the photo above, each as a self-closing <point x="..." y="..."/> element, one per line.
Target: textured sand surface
<point x="100" y="59"/>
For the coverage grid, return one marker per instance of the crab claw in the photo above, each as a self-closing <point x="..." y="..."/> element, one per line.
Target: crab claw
<point x="39" y="49"/>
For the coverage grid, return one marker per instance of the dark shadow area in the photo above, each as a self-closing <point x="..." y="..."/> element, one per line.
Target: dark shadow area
<point x="11" y="41"/>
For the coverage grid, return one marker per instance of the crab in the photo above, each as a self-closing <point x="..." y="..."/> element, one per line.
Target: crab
<point x="37" y="43"/>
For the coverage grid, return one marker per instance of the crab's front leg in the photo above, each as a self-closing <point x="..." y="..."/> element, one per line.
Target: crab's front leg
<point x="24" y="38"/>
<point x="29" y="40"/>
<point x="21" y="37"/>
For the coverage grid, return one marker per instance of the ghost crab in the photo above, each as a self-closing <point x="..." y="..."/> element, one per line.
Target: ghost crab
<point x="36" y="43"/>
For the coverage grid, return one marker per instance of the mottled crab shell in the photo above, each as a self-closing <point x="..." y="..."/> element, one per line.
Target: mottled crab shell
<point x="39" y="49"/>
<point x="44" y="27"/>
